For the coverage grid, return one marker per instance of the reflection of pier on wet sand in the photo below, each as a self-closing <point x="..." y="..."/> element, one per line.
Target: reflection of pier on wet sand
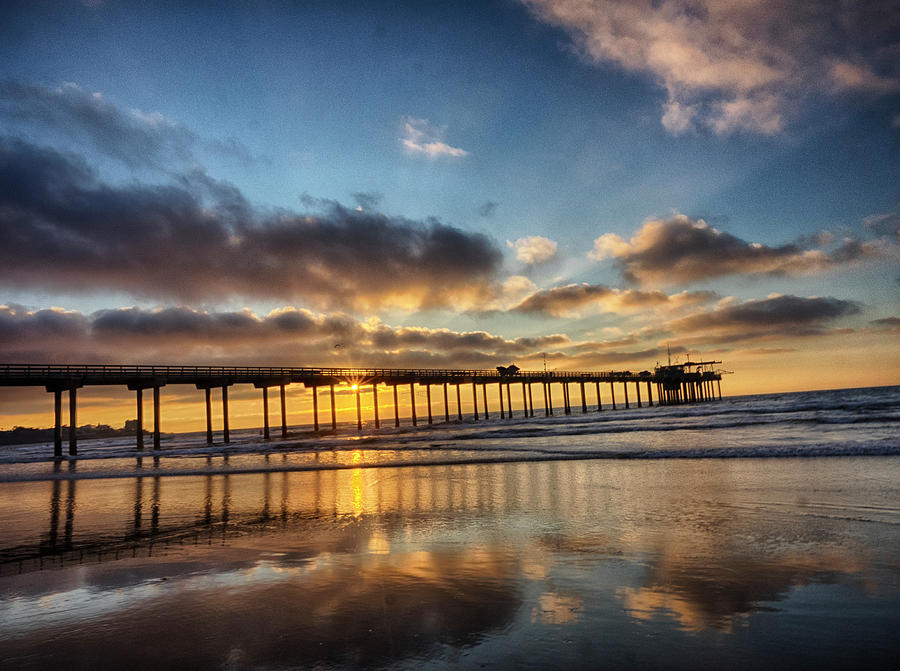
<point x="690" y="382"/>
<point x="706" y="554"/>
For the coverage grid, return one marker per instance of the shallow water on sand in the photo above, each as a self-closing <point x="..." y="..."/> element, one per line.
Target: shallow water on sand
<point x="688" y="563"/>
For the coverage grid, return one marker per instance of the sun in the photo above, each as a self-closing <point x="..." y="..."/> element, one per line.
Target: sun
<point x="354" y="387"/>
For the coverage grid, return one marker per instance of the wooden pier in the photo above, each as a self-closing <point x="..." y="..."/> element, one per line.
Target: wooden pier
<point x="690" y="382"/>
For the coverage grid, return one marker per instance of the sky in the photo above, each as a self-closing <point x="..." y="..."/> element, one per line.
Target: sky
<point x="582" y="185"/>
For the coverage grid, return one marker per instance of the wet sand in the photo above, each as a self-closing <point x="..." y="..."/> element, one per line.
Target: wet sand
<point x="711" y="563"/>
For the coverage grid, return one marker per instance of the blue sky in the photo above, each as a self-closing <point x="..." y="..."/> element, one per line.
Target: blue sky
<point x="620" y="170"/>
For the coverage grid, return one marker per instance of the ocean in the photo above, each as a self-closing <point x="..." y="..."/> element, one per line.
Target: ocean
<point x="753" y="531"/>
<point x="852" y="422"/>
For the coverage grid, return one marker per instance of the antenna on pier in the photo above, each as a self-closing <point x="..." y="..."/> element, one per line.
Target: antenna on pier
<point x="669" y="353"/>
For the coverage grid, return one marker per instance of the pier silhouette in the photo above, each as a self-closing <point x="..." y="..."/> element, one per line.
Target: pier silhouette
<point x="688" y="382"/>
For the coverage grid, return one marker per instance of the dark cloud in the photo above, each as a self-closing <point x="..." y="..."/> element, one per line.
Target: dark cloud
<point x="488" y="209"/>
<point x="560" y="300"/>
<point x="291" y="337"/>
<point x="198" y="239"/>
<point x="443" y="339"/>
<point x="368" y="201"/>
<point x="288" y="336"/>
<point x="683" y="250"/>
<point x="563" y="300"/>
<point x="887" y="322"/>
<point x="884" y="224"/>
<point x="132" y="137"/>
<point x="773" y="317"/>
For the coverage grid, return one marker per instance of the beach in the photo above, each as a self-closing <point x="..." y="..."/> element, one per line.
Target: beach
<point x="736" y="562"/>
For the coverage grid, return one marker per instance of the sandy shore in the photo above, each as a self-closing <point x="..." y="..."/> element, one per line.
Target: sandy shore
<point x="660" y="564"/>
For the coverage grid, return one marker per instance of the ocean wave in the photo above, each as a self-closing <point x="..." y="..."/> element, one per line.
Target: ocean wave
<point x="444" y="455"/>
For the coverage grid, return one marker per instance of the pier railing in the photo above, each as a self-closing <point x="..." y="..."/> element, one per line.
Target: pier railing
<point x="39" y="374"/>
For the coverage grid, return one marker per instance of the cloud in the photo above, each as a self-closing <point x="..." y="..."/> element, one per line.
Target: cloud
<point x="846" y="76"/>
<point x="421" y="138"/>
<point x="515" y="288"/>
<point x="887" y="224"/>
<point x="367" y="202"/>
<point x="777" y="316"/>
<point x="199" y="239"/>
<point x="890" y="323"/>
<point x="678" y="117"/>
<point x="489" y="209"/>
<point x="567" y="300"/>
<point x="289" y="335"/>
<point x="534" y="249"/>
<point x="135" y="138"/>
<point x="682" y="250"/>
<point x="735" y="66"/>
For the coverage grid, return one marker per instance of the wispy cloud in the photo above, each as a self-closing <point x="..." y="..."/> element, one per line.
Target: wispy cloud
<point x="736" y="66"/>
<point x="136" y="138"/>
<point x="420" y="138"/>
<point x="199" y="239"/>
<point x="684" y="250"/>
<point x="569" y="299"/>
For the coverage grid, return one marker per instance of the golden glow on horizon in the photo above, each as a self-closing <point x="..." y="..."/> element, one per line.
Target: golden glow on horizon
<point x="864" y="361"/>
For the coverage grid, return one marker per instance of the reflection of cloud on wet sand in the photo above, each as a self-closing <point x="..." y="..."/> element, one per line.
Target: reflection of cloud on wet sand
<point x="553" y="608"/>
<point x="700" y="595"/>
<point x="342" y="612"/>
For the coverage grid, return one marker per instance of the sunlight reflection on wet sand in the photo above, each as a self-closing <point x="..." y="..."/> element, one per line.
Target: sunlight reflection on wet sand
<point x="721" y="563"/>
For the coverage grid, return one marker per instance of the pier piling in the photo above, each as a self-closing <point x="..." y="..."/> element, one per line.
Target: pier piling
<point x="73" y="422"/>
<point x="333" y="409"/>
<point x="209" y="431"/>
<point x="315" y="396"/>
<point x="265" y="397"/>
<point x="57" y="423"/>
<point x="283" y="411"/>
<point x="226" y="436"/>
<point x="156" y="432"/>
<point x="375" y="404"/>
<point x="396" y="409"/>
